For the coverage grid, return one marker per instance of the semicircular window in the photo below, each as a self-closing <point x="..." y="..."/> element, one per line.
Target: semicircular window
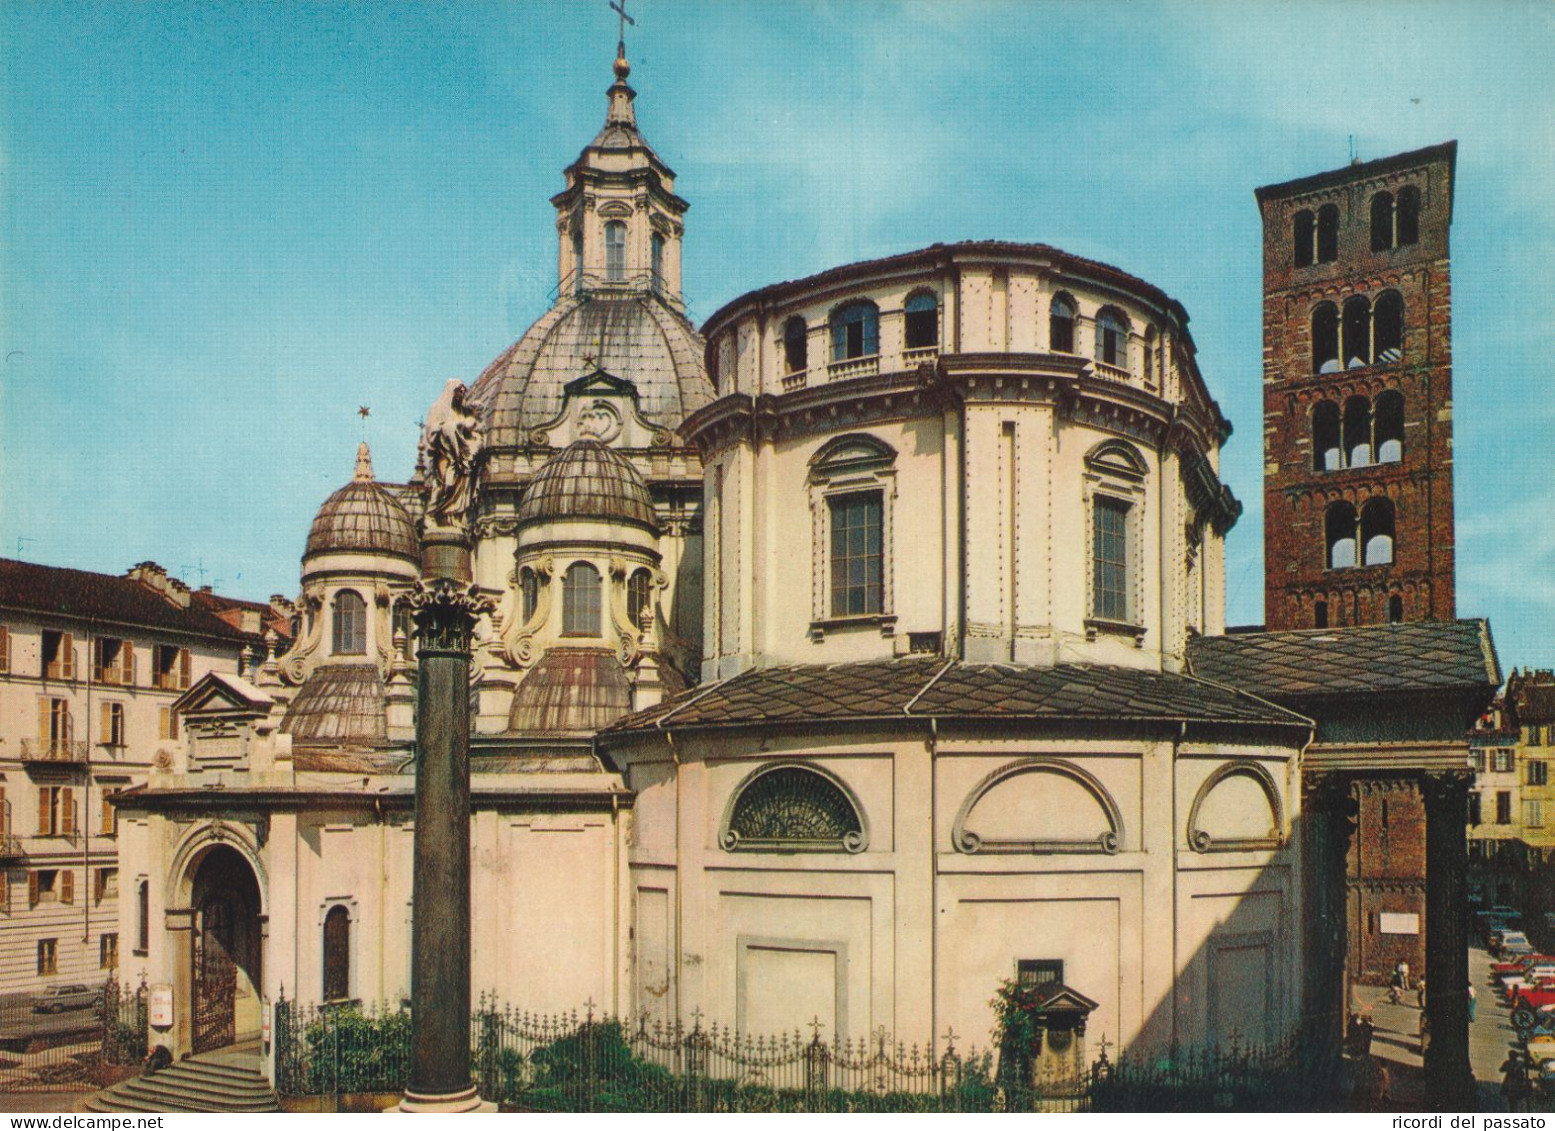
<point x="793" y="809"/>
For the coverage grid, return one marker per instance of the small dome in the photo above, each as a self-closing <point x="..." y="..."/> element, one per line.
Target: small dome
<point x="588" y="480"/>
<point x="362" y="517"/>
<point x="338" y="705"/>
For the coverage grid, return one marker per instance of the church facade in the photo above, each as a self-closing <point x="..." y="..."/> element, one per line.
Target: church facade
<point x="836" y="670"/>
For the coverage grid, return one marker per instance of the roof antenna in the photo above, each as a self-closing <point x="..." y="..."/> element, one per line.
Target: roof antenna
<point x="1354" y="160"/>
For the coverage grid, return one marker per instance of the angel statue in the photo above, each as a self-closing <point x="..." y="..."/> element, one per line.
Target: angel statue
<point x="452" y="440"/>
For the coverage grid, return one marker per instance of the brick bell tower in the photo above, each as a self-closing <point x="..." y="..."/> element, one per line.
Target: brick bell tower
<point x="1357" y="378"/>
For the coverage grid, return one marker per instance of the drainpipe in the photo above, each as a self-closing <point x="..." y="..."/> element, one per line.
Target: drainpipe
<point x="680" y="878"/>
<point x="86" y="804"/>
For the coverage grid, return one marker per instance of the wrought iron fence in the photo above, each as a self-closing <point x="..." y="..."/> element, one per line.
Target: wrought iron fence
<point x="595" y="1062"/>
<point x="71" y="1037"/>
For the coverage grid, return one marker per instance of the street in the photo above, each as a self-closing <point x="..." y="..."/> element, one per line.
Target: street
<point x="1396" y="1040"/>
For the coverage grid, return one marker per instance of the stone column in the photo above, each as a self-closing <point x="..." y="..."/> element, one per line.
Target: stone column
<point x="446" y="605"/>
<point x="1327" y="824"/>
<point x="1449" y="1081"/>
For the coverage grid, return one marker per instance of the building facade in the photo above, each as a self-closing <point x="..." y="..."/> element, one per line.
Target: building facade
<point x="90" y="669"/>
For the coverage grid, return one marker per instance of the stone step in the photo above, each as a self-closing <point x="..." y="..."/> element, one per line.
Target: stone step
<point x="157" y="1088"/>
<point x="195" y="1085"/>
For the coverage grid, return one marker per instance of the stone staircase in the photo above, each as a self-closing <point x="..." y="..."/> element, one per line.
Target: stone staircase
<point x="222" y="1081"/>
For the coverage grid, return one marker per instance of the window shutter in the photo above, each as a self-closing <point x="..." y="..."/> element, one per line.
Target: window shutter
<point x="108" y="829"/>
<point x="32" y="889"/>
<point x="183" y="669"/>
<point x="67" y="886"/>
<point x="45" y="812"/>
<point x="97" y="660"/>
<point x="45" y="713"/>
<point x="67" y="811"/>
<point x="105" y="722"/>
<point x="67" y="656"/>
<point x="68" y="723"/>
<point x="163" y="715"/>
<point x="127" y="664"/>
<point x="5" y="648"/>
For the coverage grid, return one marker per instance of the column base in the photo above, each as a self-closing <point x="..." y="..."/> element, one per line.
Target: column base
<point x="450" y="1103"/>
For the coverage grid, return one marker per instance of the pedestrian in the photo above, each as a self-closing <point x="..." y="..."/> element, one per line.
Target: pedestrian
<point x="1473" y="1000"/>
<point x="1420" y="994"/>
<point x="1403" y="973"/>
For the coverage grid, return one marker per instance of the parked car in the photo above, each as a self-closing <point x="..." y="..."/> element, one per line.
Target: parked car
<point x="59" y="998"/>
<point x="1514" y="942"/>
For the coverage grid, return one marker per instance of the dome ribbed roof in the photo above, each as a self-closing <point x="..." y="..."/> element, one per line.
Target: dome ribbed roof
<point x="362" y="517"/>
<point x="638" y="338"/>
<point x="588" y="480"/>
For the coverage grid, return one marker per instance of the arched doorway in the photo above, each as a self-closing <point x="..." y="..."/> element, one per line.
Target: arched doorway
<point x="226" y="952"/>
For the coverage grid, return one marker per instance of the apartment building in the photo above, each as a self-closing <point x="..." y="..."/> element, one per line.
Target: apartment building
<point x="90" y="667"/>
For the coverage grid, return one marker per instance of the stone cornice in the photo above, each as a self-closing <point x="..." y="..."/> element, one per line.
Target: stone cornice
<point x="1063" y="380"/>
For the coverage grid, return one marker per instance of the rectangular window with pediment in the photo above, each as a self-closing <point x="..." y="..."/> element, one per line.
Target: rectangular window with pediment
<point x="857" y="559"/>
<point x="1110" y="560"/>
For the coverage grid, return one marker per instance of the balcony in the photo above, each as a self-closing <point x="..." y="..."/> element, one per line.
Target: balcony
<point x="853" y="367"/>
<point x="53" y="750"/>
<point x="794" y="381"/>
<point x="912" y="358"/>
<point x="1111" y="372"/>
<point x="10" y="846"/>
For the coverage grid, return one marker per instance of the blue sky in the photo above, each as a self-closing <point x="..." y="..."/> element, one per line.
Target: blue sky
<point x="225" y="226"/>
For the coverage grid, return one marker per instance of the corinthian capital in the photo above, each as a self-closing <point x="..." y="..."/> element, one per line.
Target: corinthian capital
<point x="446" y="611"/>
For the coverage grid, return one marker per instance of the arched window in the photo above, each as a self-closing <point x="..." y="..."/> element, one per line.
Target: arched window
<point x="796" y="345"/>
<point x="337" y="954"/>
<point x="857" y="554"/>
<point x="577" y="261"/>
<point x="1339" y="533"/>
<point x="1408" y="226"/>
<point x="922" y="321"/>
<point x="615" y="251"/>
<point x="790" y="808"/>
<point x="1357" y="332"/>
<point x="639" y="588"/>
<point x="1303" y="233"/>
<point x="851" y="487"/>
<point x="350" y="623"/>
<point x="1387" y="328"/>
<point x="1319" y="614"/>
<point x="1111" y="338"/>
<point x="1327" y="452"/>
<point x="529" y="589"/>
<point x="580" y="600"/>
<point x="855" y="331"/>
<point x="1060" y="325"/>
<point x="656" y="249"/>
<point x="1357" y="432"/>
<point x="1325" y="338"/>
<point x="1148" y="356"/>
<point x="1328" y="233"/>
<point x="1388" y="426"/>
<point x="1377" y="532"/>
<point x="143" y="917"/>
<point x="1395" y="609"/>
<point x="1382" y="221"/>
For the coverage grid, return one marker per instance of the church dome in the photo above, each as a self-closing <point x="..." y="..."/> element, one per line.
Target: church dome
<point x="588" y="480"/>
<point x="637" y="337"/>
<point x="363" y="518"/>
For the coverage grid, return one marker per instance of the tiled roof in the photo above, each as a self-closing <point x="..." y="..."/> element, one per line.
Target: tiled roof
<point x="1419" y="656"/>
<point x="571" y="689"/>
<point x="931" y="687"/>
<point x="587" y="480"/>
<point x="1532" y="697"/>
<point x="97" y="596"/>
<point x="637" y="338"/>
<point x="338" y="705"/>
